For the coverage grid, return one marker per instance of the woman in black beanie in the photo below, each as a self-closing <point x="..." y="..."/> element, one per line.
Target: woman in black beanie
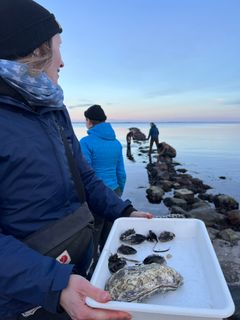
<point x="36" y="185"/>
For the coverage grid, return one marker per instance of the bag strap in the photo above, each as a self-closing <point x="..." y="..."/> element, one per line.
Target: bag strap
<point x="73" y="168"/>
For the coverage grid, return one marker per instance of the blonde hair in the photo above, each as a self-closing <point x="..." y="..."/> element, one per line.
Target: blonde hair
<point x="39" y="59"/>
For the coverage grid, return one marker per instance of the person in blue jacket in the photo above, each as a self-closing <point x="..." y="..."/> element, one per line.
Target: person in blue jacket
<point x="36" y="187"/>
<point x="104" y="153"/>
<point x="153" y="136"/>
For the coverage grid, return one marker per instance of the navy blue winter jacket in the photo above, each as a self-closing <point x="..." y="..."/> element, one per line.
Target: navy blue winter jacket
<point x="104" y="153"/>
<point x="153" y="132"/>
<point x="36" y="188"/>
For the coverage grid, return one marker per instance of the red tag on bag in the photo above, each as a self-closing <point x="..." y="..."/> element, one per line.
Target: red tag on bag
<point x="64" y="257"/>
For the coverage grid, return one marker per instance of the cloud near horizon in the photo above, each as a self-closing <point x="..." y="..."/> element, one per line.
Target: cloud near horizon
<point x="232" y="103"/>
<point x="164" y="92"/>
<point x="79" y="106"/>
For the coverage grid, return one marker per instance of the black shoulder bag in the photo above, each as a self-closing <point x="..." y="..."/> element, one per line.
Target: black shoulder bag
<point x="68" y="238"/>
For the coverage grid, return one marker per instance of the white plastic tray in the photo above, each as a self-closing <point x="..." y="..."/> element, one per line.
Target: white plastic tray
<point x="204" y="294"/>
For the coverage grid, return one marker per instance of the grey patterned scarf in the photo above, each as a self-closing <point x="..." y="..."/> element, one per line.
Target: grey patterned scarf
<point x="37" y="90"/>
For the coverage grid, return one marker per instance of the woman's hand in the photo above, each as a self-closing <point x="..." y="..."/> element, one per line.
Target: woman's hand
<point x="141" y="214"/>
<point x="73" y="298"/>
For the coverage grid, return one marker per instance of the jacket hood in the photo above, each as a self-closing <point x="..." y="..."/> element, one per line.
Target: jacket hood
<point x="102" y="130"/>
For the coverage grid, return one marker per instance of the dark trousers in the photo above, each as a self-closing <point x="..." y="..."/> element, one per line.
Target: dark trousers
<point x="129" y="153"/>
<point x="152" y="141"/>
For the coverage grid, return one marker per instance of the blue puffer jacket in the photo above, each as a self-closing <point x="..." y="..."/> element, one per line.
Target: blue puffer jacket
<point x="104" y="153"/>
<point x="36" y="188"/>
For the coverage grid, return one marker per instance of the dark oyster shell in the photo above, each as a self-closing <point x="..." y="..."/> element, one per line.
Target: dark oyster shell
<point x="166" y="236"/>
<point x="137" y="238"/>
<point x="127" y="234"/>
<point x="115" y="263"/>
<point x="126" y="250"/>
<point x="131" y="237"/>
<point x="152" y="236"/>
<point x="154" y="258"/>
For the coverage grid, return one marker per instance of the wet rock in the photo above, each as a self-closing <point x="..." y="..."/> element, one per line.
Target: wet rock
<point x="176" y="163"/>
<point x="137" y="134"/>
<point x="169" y="202"/>
<point x="200" y="204"/>
<point x="176" y="185"/>
<point x="185" y="194"/>
<point x="182" y="170"/>
<point x="206" y="196"/>
<point x="234" y="217"/>
<point x="229" y="259"/>
<point x="158" y="172"/>
<point x="167" y="185"/>
<point x="178" y="210"/>
<point x="165" y="159"/>
<point x="159" y="167"/>
<point x="228" y="252"/>
<point x="155" y="194"/>
<point x="233" y="276"/>
<point x="224" y="203"/>
<point x="199" y="186"/>
<point x="165" y="150"/>
<point x="208" y="215"/>
<point x="194" y="184"/>
<point x="143" y="150"/>
<point x="229" y="235"/>
<point x="212" y="233"/>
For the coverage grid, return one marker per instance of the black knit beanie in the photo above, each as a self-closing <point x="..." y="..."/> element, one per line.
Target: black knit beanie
<point x="24" y="26"/>
<point x="95" y="113"/>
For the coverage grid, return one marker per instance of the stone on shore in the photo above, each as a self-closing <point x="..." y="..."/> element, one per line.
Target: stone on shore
<point x="137" y="134"/>
<point x="178" y="210"/>
<point x="155" y="194"/>
<point x="229" y="235"/>
<point x="170" y="202"/>
<point x="185" y="194"/>
<point x="234" y="217"/>
<point x="208" y="215"/>
<point x="224" y="203"/>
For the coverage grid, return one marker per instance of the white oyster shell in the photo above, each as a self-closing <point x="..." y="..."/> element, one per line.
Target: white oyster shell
<point x="135" y="283"/>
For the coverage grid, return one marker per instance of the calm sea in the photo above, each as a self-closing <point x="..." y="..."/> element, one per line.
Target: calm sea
<point x="206" y="150"/>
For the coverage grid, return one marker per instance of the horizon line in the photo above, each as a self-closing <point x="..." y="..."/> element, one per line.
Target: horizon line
<point x="183" y="121"/>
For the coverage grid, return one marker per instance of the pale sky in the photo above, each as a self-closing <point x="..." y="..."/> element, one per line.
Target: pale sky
<point x="151" y="60"/>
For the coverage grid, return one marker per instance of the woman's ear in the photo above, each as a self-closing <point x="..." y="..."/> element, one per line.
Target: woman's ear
<point x="88" y="123"/>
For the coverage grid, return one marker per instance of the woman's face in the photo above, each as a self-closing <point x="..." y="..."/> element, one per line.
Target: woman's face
<point x="53" y="69"/>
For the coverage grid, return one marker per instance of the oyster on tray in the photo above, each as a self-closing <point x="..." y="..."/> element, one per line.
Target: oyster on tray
<point x="135" y="283"/>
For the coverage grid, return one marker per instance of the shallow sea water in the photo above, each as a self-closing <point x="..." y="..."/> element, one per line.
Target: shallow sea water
<point x="206" y="150"/>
